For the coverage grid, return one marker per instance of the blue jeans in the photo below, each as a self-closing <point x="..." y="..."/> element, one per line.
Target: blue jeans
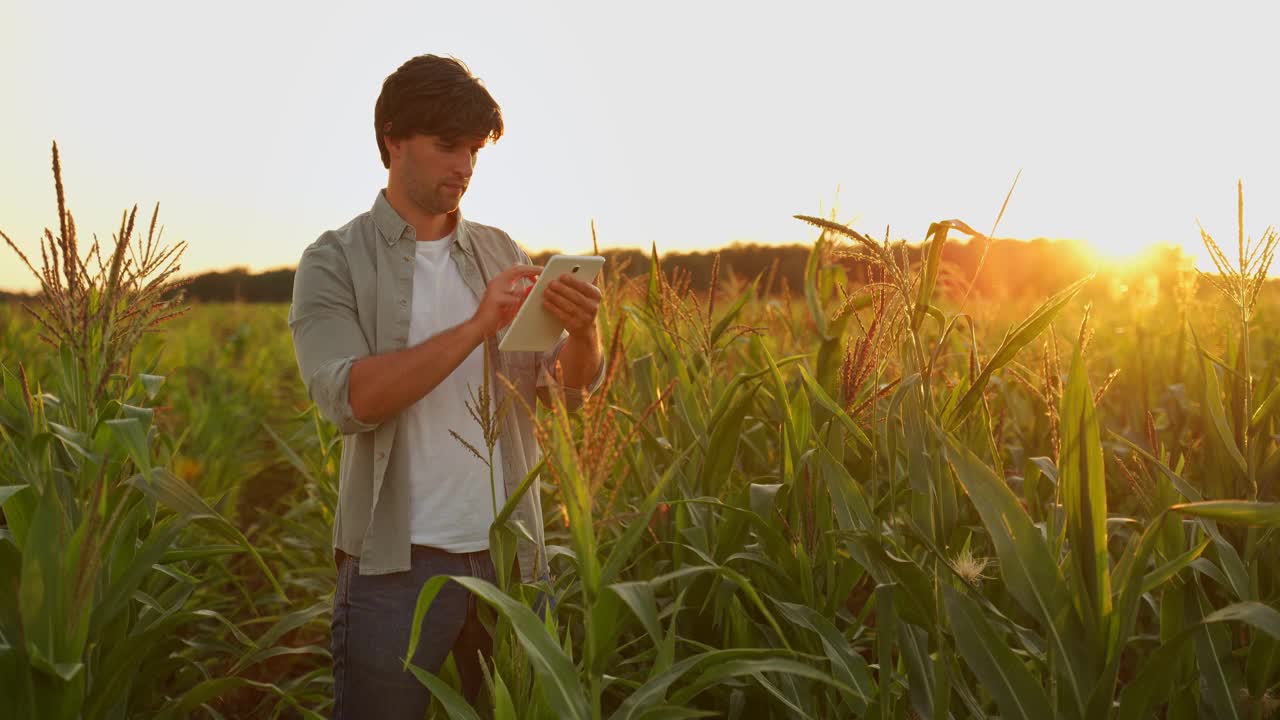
<point x="372" y="615"/>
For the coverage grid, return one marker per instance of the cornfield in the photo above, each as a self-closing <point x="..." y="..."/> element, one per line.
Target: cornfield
<point x="885" y="499"/>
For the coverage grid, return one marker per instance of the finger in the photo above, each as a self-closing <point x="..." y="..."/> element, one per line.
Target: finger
<point x="557" y="300"/>
<point x="563" y="289"/>
<point x="562" y="308"/>
<point x="558" y="314"/>
<point x="583" y="287"/>
<point x="515" y="272"/>
<point x="565" y="318"/>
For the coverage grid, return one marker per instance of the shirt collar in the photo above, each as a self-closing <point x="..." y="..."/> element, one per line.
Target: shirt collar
<point x="393" y="227"/>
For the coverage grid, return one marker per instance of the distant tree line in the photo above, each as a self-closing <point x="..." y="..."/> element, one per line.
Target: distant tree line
<point x="1010" y="268"/>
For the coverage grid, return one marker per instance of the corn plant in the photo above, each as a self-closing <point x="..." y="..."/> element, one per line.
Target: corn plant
<point x="106" y="545"/>
<point x="876" y="494"/>
<point x="1051" y="630"/>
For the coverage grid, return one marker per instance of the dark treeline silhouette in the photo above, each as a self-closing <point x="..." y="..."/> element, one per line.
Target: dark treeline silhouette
<point x="745" y="261"/>
<point x="239" y="285"/>
<point x="1012" y="268"/>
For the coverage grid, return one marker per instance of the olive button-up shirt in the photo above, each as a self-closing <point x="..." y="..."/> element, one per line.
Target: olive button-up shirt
<point x="352" y="296"/>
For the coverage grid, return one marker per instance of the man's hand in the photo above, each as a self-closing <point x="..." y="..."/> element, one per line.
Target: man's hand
<point x="575" y="304"/>
<point x="501" y="299"/>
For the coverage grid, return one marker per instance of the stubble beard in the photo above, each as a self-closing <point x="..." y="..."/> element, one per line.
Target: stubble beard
<point x="433" y="199"/>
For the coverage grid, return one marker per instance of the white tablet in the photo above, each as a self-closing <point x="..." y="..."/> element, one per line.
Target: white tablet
<point x="534" y="329"/>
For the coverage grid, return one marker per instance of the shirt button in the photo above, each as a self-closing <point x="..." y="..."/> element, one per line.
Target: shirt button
<point x="403" y="302"/>
<point x="381" y="456"/>
<point x="408" y="258"/>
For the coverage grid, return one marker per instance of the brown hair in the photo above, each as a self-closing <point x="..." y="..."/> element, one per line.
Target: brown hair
<point x="432" y="95"/>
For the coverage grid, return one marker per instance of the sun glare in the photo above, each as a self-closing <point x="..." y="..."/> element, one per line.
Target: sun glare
<point x="1120" y="252"/>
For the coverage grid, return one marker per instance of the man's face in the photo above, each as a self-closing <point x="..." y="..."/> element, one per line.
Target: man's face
<point x="434" y="171"/>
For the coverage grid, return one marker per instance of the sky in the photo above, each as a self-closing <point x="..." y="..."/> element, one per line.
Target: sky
<point x="689" y="124"/>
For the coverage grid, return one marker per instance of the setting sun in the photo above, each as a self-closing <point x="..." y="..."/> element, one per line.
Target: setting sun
<point x="1121" y="253"/>
<point x="1136" y="248"/>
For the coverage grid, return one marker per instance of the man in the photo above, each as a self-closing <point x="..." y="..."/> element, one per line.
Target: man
<point x="392" y="316"/>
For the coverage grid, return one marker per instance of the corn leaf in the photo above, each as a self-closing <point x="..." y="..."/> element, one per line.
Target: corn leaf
<point x="731" y="668"/>
<point x="732" y="313"/>
<point x="179" y="496"/>
<point x="1027" y="567"/>
<point x="639" y="598"/>
<point x="886" y="630"/>
<point x="1014" y="340"/>
<point x="556" y="673"/>
<point x="455" y="706"/>
<point x="652" y="693"/>
<point x="1235" y="512"/>
<point x="811" y="297"/>
<point x="936" y="238"/>
<point x="1084" y="495"/>
<point x="1155" y="678"/>
<point x="8" y="491"/>
<point x="1003" y="674"/>
<point x="1221" y="430"/>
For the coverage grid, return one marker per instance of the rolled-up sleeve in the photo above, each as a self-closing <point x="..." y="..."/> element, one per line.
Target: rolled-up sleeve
<point x="327" y="339"/>
<point x="573" y="397"/>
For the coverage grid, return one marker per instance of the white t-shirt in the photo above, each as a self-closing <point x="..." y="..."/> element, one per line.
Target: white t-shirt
<point x="449" y="487"/>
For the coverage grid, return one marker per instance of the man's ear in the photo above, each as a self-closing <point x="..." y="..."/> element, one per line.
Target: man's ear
<point x="392" y="144"/>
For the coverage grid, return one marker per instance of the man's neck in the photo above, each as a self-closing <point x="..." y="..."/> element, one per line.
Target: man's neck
<point x="426" y="226"/>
